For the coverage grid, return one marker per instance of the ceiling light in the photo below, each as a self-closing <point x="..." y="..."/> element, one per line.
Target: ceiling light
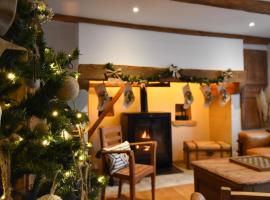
<point x="135" y="9"/>
<point x="251" y="24"/>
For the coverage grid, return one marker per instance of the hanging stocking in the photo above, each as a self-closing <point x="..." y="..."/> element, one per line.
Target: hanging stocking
<point x="208" y="96"/>
<point x="188" y="96"/>
<point x="103" y="97"/>
<point x="224" y="96"/>
<point x="128" y="96"/>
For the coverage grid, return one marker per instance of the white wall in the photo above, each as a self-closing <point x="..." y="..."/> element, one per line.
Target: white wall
<point x="62" y="36"/>
<point x="101" y="44"/>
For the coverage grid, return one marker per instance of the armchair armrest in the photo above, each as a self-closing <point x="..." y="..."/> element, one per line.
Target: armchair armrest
<point x="252" y="139"/>
<point x="152" y="150"/>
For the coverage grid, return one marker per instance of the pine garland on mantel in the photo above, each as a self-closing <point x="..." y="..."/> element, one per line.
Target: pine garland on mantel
<point x="173" y="71"/>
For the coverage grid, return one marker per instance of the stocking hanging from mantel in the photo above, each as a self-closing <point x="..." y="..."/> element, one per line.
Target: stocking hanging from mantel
<point x="224" y="96"/>
<point x="128" y="95"/>
<point x="207" y="93"/>
<point x="187" y="96"/>
<point x="103" y="97"/>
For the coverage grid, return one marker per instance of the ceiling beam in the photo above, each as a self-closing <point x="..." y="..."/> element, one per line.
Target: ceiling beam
<point x="246" y="38"/>
<point x="254" y="6"/>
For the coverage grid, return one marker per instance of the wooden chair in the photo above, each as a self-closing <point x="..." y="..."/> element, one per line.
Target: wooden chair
<point x="134" y="172"/>
<point x="227" y="194"/>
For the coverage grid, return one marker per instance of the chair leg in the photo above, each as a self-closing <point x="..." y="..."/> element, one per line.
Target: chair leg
<point x="132" y="190"/>
<point x="120" y="189"/>
<point x="153" y="184"/>
<point x="103" y="193"/>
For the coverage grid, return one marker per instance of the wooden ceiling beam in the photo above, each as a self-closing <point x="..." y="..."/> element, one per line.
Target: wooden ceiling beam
<point x="75" y="19"/>
<point x="254" y="6"/>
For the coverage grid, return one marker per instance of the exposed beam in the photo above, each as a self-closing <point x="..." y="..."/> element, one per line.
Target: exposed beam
<point x="75" y="19"/>
<point x="254" y="6"/>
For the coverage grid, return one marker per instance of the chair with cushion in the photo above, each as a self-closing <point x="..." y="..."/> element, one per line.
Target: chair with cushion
<point x="227" y="194"/>
<point x="119" y="159"/>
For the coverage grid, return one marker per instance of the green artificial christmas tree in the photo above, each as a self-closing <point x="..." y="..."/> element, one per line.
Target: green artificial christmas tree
<point x="40" y="135"/>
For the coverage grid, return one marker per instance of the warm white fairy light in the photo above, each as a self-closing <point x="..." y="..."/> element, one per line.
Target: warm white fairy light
<point x="82" y="157"/>
<point x="11" y="76"/>
<point x="3" y="196"/>
<point x="79" y="115"/>
<point x="19" y="140"/>
<point x="77" y="76"/>
<point x="89" y="144"/>
<point x="45" y="142"/>
<point x="55" y="68"/>
<point x="55" y="113"/>
<point x="67" y="174"/>
<point x="7" y="105"/>
<point x="101" y="179"/>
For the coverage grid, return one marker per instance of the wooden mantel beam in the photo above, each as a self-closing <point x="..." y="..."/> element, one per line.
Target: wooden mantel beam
<point x="96" y="72"/>
<point x="254" y="6"/>
<point x="246" y="38"/>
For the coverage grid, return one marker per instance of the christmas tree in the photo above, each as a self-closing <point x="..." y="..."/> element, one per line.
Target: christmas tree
<point x="41" y="136"/>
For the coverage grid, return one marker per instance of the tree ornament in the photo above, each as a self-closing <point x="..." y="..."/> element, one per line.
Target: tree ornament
<point x="7" y="15"/>
<point x="128" y="95"/>
<point x="69" y="90"/>
<point x="103" y="97"/>
<point x="4" y="45"/>
<point x="51" y="196"/>
<point x="207" y="93"/>
<point x="224" y="96"/>
<point x="188" y="96"/>
<point x="175" y="71"/>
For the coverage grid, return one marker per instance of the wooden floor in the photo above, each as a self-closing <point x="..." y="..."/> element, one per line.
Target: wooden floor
<point x="181" y="192"/>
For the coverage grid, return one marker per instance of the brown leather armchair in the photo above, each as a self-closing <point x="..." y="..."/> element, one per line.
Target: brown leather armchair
<point x="254" y="142"/>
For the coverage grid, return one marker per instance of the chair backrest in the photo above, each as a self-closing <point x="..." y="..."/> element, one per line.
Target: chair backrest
<point x="110" y="136"/>
<point x="227" y="194"/>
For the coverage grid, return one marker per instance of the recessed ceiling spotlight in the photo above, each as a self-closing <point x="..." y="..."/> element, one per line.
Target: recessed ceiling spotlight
<point x="251" y="24"/>
<point x="135" y="9"/>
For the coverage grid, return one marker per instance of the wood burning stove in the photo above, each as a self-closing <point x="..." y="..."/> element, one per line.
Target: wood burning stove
<point x="147" y="126"/>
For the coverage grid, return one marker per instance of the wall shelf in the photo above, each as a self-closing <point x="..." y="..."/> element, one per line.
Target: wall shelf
<point x="178" y="123"/>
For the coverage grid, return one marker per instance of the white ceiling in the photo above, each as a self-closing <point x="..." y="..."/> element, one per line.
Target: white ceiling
<point x="169" y="14"/>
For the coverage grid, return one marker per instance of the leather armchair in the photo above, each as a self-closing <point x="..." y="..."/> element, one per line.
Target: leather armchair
<point x="254" y="142"/>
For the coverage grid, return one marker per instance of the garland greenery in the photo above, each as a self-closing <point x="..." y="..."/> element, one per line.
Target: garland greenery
<point x="171" y="72"/>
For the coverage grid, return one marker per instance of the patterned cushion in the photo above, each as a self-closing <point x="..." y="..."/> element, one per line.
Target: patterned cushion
<point x="118" y="160"/>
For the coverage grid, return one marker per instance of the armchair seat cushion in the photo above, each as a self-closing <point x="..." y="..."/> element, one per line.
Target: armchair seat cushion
<point x="263" y="151"/>
<point x="141" y="171"/>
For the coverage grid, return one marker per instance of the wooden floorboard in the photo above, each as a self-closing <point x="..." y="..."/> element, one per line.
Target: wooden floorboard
<point x="181" y="192"/>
